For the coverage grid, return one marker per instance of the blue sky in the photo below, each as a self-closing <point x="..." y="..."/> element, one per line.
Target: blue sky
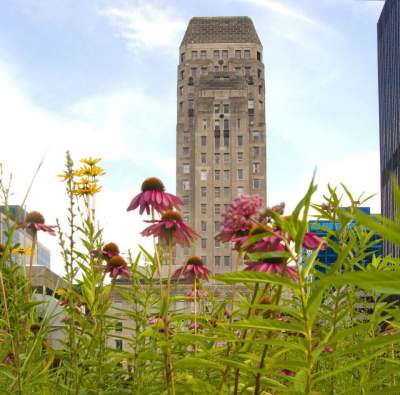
<point x="99" y="78"/>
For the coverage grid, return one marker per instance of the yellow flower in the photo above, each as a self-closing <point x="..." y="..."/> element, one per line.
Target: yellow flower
<point x="87" y="189"/>
<point x="21" y="251"/>
<point x="90" y="161"/>
<point x="92" y="171"/>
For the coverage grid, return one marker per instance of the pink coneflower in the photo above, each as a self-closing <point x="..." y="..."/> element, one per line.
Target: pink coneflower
<point x="328" y="349"/>
<point x="194" y="326"/>
<point x="311" y="241"/>
<point x="237" y="217"/>
<point x="153" y="195"/>
<point x="117" y="266"/>
<point x="193" y="268"/>
<point x="171" y="228"/>
<point x="34" y="221"/>
<point x="272" y="267"/>
<point x="107" y="251"/>
<point x="154" y="321"/>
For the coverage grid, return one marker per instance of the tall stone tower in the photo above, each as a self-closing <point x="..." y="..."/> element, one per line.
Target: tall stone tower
<point x="220" y="135"/>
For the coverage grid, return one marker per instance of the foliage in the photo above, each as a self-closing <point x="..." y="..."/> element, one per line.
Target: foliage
<point x="127" y="329"/>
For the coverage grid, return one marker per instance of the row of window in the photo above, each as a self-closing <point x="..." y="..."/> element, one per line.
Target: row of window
<point x="220" y="54"/>
<point x="195" y="72"/>
<point x="255" y="153"/>
<point x="255" y="134"/>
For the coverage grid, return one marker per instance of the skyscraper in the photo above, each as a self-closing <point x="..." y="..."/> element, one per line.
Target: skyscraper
<point x="221" y="144"/>
<point x="389" y="105"/>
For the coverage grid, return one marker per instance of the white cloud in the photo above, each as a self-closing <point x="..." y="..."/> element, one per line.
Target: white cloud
<point x="359" y="173"/>
<point x="147" y="26"/>
<point x="98" y="126"/>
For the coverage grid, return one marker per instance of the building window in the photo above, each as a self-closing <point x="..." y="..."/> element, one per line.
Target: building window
<point x="251" y="120"/>
<point x="203" y="226"/>
<point x="240" y="191"/>
<point x="182" y="57"/>
<point x="186" y="185"/>
<point x="226" y="157"/>
<point x="182" y="74"/>
<point x="247" y="53"/>
<point x="227" y="192"/>
<point x="224" y="54"/>
<point x="259" y="56"/>
<point x="216" y="159"/>
<point x="203" y="208"/>
<point x="217" y="135"/>
<point x="203" y="158"/>
<point x="240" y="174"/>
<point x="247" y="71"/>
<point x="118" y="344"/>
<point x="216" y="109"/>
<point x="226" y="108"/>
<point x="226" y="138"/>
<point x="217" y="192"/>
<point x="216" y="124"/>
<point x="217" y="225"/>
<point x="227" y="260"/>
<point x="181" y="107"/>
<point x="217" y="260"/>
<point x="217" y="209"/>
<point x="238" y="70"/>
<point x="250" y="104"/>
<point x="217" y="175"/>
<point x="118" y="326"/>
<point x="180" y="90"/>
<point x="216" y="68"/>
<point x="194" y="55"/>
<point x="204" y="71"/>
<point x="203" y="175"/>
<point x="203" y="54"/>
<point x="260" y="89"/>
<point x="217" y="243"/>
<point x="194" y="72"/>
<point x="256" y="136"/>
<point x="226" y="175"/>
<point x="191" y="104"/>
<point x="204" y="259"/>
<point x="203" y="243"/>
<point x="186" y="200"/>
<point x="204" y="123"/>
<point x="186" y="138"/>
<point x="216" y="55"/>
<point x="226" y="124"/>
<point x="225" y="68"/>
<point x="256" y="152"/>
<point x="240" y="156"/>
<point x="238" y="54"/>
<point x="258" y="73"/>
<point x="240" y="140"/>
<point x="185" y="151"/>
<point x="203" y="192"/>
<point x="256" y="183"/>
<point x="203" y="140"/>
<point x="256" y="168"/>
<point x="238" y="123"/>
<point x="186" y="168"/>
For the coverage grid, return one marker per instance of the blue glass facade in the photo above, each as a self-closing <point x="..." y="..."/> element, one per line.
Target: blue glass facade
<point x="329" y="256"/>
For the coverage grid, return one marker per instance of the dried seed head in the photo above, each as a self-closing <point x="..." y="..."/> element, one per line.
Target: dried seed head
<point x="111" y="247"/>
<point x="116" y="261"/>
<point x="153" y="184"/>
<point x="171" y="215"/>
<point x="194" y="260"/>
<point x="35" y="217"/>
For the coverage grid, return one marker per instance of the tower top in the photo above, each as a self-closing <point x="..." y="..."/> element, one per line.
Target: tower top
<point x="225" y="29"/>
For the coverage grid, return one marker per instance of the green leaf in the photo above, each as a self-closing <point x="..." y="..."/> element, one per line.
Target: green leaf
<point x="378" y="281"/>
<point x="194" y="362"/>
<point x="255" y="277"/>
<point x="272" y="325"/>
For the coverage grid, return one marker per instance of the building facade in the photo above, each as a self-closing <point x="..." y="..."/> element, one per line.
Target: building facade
<point x="22" y="237"/>
<point x="389" y="106"/>
<point x="221" y="132"/>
